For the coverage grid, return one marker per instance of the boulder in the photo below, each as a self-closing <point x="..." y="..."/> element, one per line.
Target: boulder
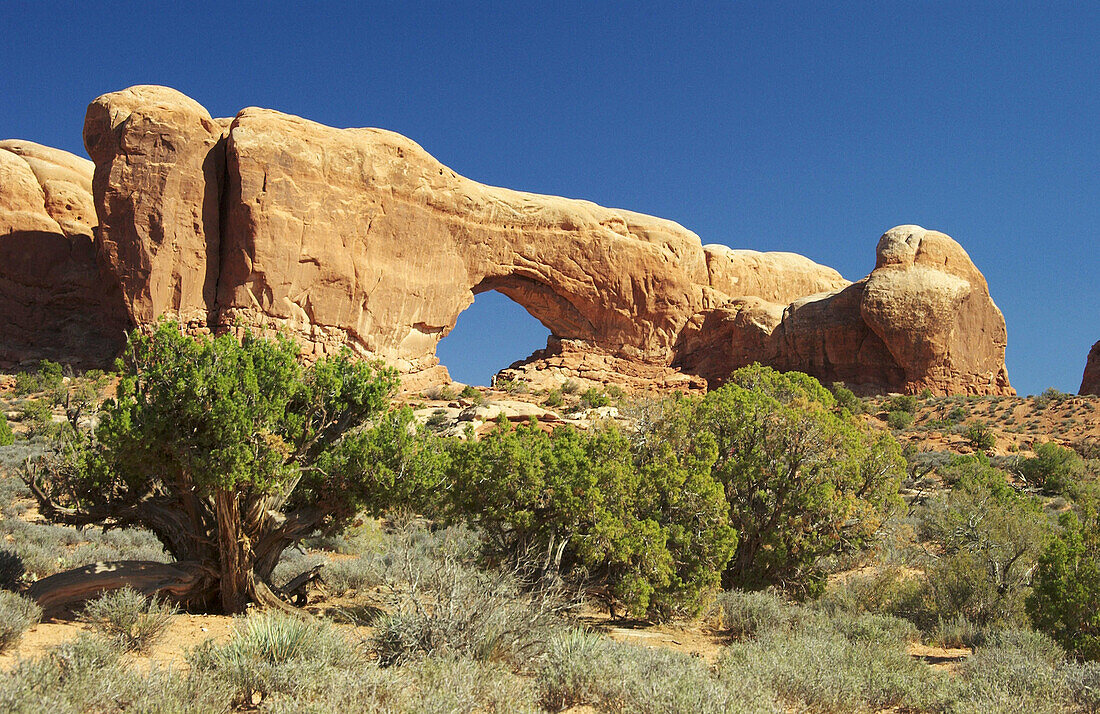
<point x="1090" y="382"/>
<point x="56" y="300"/>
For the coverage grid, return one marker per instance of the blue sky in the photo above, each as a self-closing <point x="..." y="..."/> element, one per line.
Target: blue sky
<point x="803" y="126"/>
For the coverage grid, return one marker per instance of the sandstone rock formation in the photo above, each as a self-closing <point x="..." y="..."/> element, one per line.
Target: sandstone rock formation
<point x="359" y="238"/>
<point x="1090" y="382"/>
<point x="55" y="301"/>
<point x="159" y="161"/>
<point x="923" y="319"/>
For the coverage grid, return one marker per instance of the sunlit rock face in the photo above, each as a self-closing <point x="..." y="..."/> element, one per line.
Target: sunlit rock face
<point x="359" y="238"/>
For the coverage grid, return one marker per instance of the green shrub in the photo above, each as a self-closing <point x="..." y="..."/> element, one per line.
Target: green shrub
<point x="979" y="436"/>
<point x="438" y="419"/>
<point x="594" y="398"/>
<point x="48" y="377"/>
<point x="615" y="392"/>
<point x="36" y="417"/>
<point x="647" y="532"/>
<point x="1054" y="469"/>
<point x="988" y="538"/>
<point x="802" y="481"/>
<point x="1065" y="601"/>
<point x="17" y="615"/>
<point x="470" y="392"/>
<point x="907" y="403"/>
<point x="512" y="386"/>
<point x="554" y="398"/>
<point x="7" y="438"/>
<point x="130" y="617"/>
<point x="898" y="420"/>
<point x="570" y="387"/>
<point x="847" y="399"/>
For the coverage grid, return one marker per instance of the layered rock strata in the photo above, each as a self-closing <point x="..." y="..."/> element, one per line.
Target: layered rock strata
<point x="359" y="238"/>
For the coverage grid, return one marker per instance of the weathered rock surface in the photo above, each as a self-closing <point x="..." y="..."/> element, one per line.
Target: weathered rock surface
<point x="359" y="238"/>
<point x="923" y="319"/>
<point x="159" y="159"/>
<point x="1090" y="382"/>
<point x="55" y="301"/>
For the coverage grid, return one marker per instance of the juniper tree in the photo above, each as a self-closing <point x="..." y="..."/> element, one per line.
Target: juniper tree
<point x="230" y="452"/>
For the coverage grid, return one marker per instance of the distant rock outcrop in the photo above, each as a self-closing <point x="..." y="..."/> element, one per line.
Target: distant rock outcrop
<point x="1090" y="382"/>
<point x="55" y="300"/>
<point x="359" y="238"/>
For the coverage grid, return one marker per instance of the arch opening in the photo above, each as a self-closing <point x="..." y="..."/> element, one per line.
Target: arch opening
<point x="489" y="335"/>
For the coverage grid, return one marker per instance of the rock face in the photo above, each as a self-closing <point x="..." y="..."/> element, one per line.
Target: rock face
<point x="159" y="160"/>
<point x="923" y="319"/>
<point x="1090" y="382"/>
<point x="359" y="238"/>
<point x="55" y="300"/>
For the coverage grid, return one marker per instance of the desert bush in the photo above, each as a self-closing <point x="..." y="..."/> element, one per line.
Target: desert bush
<point x="822" y="669"/>
<point x="130" y="617"/>
<point x="887" y="590"/>
<point x="979" y="436"/>
<point x="584" y="669"/>
<point x="1065" y="601"/>
<point x="907" y="403"/>
<point x="439" y="392"/>
<point x="748" y="614"/>
<point x="36" y="418"/>
<point x="1054" y="469"/>
<point x="802" y="481"/>
<point x="989" y="538"/>
<point x="570" y="386"/>
<point x="1015" y="671"/>
<point x="1083" y="682"/>
<point x="512" y="386"/>
<point x="645" y="532"/>
<point x="17" y="615"/>
<point x="48" y="377"/>
<point x="899" y="420"/>
<point x="469" y="392"/>
<point x="847" y="399"/>
<point x="957" y="631"/>
<point x="447" y="606"/>
<point x="87" y="675"/>
<point x="594" y="398"/>
<point x="274" y="653"/>
<point x="554" y="398"/>
<point x="438" y="419"/>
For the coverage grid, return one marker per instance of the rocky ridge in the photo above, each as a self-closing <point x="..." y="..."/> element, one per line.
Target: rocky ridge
<point x="1090" y="381"/>
<point x="359" y="238"/>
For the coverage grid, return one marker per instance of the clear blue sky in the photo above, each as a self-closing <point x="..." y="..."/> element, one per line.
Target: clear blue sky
<point x="803" y="126"/>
